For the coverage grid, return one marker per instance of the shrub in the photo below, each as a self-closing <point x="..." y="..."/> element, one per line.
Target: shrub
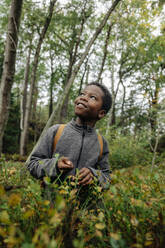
<point x="125" y="151"/>
<point x="131" y="213"/>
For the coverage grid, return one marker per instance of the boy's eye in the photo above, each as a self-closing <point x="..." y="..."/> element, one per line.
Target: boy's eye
<point x="93" y="97"/>
<point x="82" y="94"/>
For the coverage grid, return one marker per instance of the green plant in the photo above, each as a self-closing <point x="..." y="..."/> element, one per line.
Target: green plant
<point x="126" y="151"/>
<point x="130" y="213"/>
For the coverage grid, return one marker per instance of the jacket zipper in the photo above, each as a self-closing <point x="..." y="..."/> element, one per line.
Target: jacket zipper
<point x="82" y="142"/>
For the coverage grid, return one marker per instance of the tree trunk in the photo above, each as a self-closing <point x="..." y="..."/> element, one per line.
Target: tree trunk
<point x="51" y="98"/>
<point x="112" y="115"/>
<point x="114" y="92"/>
<point x="153" y="109"/>
<point x="111" y="120"/>
<point x="105" y="52"/>
<point x="9" y="64"/>
<point x="83" y="76"/>
<point x="87" y="75"/>
<point x="24" y="134"/>
<point x="123" y="106"/>
<point x="24" y="98"/>
<point x="51" y="85"/>
<point x="33" y="115"/>
<point x="24" y="90"/>
<point x="62" y="115"/>
<point x="61" y="99"/>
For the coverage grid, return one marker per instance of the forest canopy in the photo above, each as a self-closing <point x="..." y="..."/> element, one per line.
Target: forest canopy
<point x="62" y="46"/>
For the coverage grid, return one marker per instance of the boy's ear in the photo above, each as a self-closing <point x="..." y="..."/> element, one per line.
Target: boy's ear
<point x="101" y="114"/>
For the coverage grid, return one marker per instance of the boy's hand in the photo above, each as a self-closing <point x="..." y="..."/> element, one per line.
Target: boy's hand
<point x="85" y="176"/>
<point x="64" y="164"/>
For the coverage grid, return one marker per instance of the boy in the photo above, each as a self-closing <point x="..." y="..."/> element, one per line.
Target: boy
<point x="78" y="146"/>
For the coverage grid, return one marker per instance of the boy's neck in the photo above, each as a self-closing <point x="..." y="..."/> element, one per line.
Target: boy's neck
<point x="79" y="121"/>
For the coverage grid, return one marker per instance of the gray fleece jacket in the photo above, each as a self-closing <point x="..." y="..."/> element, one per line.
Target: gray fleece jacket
<point x="78" y="143"/>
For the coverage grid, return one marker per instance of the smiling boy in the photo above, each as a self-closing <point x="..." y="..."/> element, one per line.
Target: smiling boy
<point x="78" y="146"/>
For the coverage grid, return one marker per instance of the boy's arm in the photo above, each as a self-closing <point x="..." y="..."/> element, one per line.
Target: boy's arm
<point x="41" y="162"/>
<point x="103" y="173"/>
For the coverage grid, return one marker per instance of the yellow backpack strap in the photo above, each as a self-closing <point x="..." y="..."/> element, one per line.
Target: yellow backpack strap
<point x="58" y="135"/>
<point x="100" y="138"/>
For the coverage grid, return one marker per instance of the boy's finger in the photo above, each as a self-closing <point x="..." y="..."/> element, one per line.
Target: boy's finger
<point x="83" y="173"/>
<point x="82" y="170"/>
<point x="86" y="180"/>
<point x="85" y="176"/>
<point x="64" y="166"/>
<point x="66" y="161"/>
<point x="69" y="163"/>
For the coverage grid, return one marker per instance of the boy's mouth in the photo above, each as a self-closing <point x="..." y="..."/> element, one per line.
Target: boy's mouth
<point x="81" y="105"/>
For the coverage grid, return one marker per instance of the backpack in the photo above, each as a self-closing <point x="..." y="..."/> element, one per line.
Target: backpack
<point x="59" y="133"/>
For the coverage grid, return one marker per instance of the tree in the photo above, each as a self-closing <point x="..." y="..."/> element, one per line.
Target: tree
<point x="70" y="36"/>
<point x="24" y="133"/>
<point x="23" y="98"/>
<point x="9" y="64"/>
<point x="133" y="43"/>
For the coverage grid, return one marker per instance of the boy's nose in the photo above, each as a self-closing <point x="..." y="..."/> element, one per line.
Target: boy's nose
<point x="84" y="98"/>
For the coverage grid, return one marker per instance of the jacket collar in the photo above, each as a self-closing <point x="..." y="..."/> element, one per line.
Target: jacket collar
<point x="81" y="128"/>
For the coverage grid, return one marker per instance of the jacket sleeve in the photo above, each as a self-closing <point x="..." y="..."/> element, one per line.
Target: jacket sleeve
<point x="42" y="163"/>
<point x="103" y="171"/>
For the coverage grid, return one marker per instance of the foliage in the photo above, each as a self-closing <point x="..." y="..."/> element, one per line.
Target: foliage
<point x="126" y="151"/>
<point x="12" y="132"/>
<point x="129" y="214"/>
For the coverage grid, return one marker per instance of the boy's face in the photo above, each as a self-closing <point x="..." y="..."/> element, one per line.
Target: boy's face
<point x="88" y="105"/>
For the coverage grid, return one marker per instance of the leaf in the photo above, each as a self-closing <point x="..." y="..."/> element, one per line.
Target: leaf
<point x="160" y="58"/>
<point x="137" y="202"/>
<point x="63" y="192"/>
<point x="100" y="226"/>
<point x="149" y="236"/>
<point x="46" y="203"/>
<point x="14" y="200"/>
<point x="99" y="189"/>
<point x="12" y="171"/>
<point x="101" y="216"/>
<point x="2" y="232"/>
<point x="73" y="193"/>
<point x="4" y="217"/>
<point x="73" y="183"/>
<point x="156" y="176"/>
<point x="56" y="219"/>
<point x="134" y="221"/>
<point x="2" y="191"/>
<point x="98" y="234"/>
<point x="137" y="246"/>
<point x="59" y="202"/>
<point x="148" y="243"/>
<point x="115" y="236"/>
<point x="113" y="189"/>
<point x="29" y="214"/>
<point x="47" y="180"/>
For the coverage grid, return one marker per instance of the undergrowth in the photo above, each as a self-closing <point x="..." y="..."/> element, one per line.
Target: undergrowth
<point x="129" y="214"/>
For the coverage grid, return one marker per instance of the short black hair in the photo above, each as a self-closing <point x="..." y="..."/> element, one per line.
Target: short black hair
<point x="107" y="98"/>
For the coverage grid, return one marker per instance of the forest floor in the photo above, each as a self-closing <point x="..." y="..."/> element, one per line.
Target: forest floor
<point x="129" y="214"/>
